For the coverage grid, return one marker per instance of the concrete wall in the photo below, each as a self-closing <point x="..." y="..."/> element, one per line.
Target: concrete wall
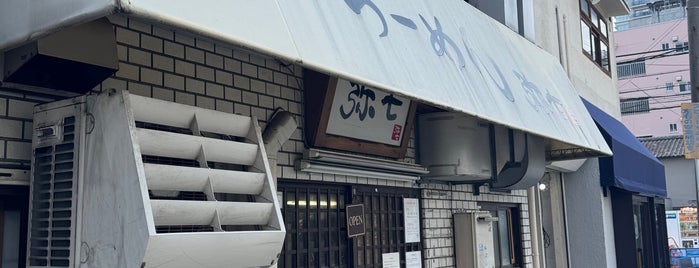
<point x="680" y="181"/>
<point x="589" y="213"/>
<point x="561" y="36"/>
<point x="160" y="62"/>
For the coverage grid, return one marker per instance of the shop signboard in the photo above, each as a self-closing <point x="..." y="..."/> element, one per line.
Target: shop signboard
<point x="355" y="220"/>
<point x="690" y="125"/>
<point x="368" y="114"/>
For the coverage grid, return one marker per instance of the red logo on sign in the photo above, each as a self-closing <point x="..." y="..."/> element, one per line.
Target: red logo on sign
<point x="396" y="132"/>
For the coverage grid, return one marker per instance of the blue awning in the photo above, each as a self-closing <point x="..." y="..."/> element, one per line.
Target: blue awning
<point x="632" y="167"/>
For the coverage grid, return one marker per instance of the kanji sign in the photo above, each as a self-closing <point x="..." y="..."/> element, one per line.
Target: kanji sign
<point x="690" y="124"/>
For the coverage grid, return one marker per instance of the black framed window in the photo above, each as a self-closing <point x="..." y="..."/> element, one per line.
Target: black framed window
<point x="594" y="34"/>
<point x="507" y="236"/>
<point x="684" y="87"/>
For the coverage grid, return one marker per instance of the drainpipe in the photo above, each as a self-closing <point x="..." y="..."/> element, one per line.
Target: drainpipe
<point x="277" y="132"/>
<point x="533" y="225"/>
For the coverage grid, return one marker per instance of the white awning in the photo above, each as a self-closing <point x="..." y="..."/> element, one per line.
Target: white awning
<point x="445" y="53"/>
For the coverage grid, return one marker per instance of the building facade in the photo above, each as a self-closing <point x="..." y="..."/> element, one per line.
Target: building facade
<point x="646" y="12"/>
<point x="653" y="68"/>
<point x="168" y="55"/>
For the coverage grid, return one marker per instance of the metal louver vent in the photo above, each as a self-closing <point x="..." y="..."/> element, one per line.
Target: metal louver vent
<point x="126" y="181"/>
<point x="208" y="180"/>
<point x="172" y="194"/>
<point x="53" y="200"/>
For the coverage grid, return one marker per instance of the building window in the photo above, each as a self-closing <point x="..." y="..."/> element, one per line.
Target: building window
<point x="638" y="2"/>
<point x="681" y="47"/>
<point x="634" y="106"/>
<point x="665" y="46"/>
<point x="506" y="234"/>
<point x="594" y="35"/>
<point x="634" y="68"/>
<point x="516" y="15"/>
<point x="684" y="87"/>
<point x="669" y="87"/>
<point x="642" y="12"/>
<point x="673" y="128"/>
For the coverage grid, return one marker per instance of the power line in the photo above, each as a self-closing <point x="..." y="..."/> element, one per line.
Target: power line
<point x="644" y="92"/>
<point x="661" y="64"/>
<point x="657" y="56"/>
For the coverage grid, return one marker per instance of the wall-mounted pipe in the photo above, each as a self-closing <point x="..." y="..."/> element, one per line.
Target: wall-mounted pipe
<point x="278" y="131"/>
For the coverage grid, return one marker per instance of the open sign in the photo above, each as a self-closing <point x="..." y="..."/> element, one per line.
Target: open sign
<point x="355" y="220"/>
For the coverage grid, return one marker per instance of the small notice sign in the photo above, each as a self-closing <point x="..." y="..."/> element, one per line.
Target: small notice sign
<point x="411" y="218"/>
<point x="690" y="125"/>
<point x="355" y="220"/>
<point x="390" y="260"/>
<point x="413" y="259"/>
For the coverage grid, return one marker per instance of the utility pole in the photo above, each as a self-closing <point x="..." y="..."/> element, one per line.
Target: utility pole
<point x="692" y="24"/>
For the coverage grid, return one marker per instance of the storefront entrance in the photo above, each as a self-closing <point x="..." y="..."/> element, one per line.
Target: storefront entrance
<point x="13" y="225"/>
<point x="644" y="245"/>
<point x="316" y="229"/>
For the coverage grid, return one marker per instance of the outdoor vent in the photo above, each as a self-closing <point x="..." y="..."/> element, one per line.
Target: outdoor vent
<point x="462" y="149"/>
<point x="154" y="183"/>
<point x="54" y="194"/>
<point x="75" y="59"/>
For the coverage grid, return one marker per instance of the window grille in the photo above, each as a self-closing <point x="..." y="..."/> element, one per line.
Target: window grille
<point x="634" y="106"/>
<point x="631" y="68"/>
<point x="684" y="87"/>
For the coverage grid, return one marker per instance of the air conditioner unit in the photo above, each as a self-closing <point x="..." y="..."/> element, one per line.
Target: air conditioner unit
<point x="121" y="180"/>
<point x="460" y="148"/>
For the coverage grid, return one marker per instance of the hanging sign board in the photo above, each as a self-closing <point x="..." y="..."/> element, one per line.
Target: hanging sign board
<point x="368" y="114"/>
<point x="355" y="220"/>
<point x="411" y="218"/>
<point x="690" y="125"/>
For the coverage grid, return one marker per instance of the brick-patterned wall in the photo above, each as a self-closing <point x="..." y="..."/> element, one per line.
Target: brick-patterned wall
<point x="16" y="112"/>
<point x="441" y="201"/>
<point x="158" y="62"/>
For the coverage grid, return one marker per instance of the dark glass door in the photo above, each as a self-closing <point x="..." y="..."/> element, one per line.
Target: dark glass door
<point x="385" y="227"/>
<point x="14" y="201"/>
<point x="316" y="233"/>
